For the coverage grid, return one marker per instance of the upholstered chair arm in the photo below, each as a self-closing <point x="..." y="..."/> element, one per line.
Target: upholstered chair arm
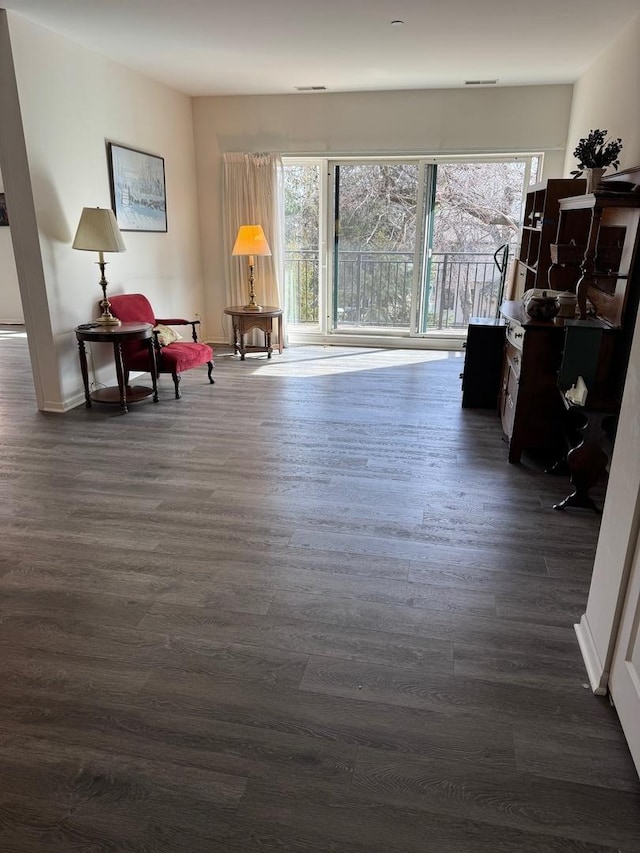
<point x="180" y="322"/>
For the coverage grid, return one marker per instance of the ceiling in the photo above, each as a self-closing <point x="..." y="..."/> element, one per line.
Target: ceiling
<point x="241" y="47"/>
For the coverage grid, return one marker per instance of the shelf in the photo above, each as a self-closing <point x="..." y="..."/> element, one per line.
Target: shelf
<point x="541" y="217"/>
<point x="134" y="393"/>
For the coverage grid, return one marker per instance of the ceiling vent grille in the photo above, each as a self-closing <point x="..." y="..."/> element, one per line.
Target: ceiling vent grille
<point x="480" y="82"/>
<point x="311" y="88"/>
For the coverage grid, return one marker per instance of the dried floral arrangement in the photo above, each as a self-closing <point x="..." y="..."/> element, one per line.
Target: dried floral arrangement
<point x="595" y="151"/>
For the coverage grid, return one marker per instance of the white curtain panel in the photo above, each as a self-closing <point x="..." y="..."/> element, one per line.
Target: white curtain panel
<point x="252" y="187"/>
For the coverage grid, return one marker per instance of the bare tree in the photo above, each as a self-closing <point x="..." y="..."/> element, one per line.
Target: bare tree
<point x="476" y="209"/>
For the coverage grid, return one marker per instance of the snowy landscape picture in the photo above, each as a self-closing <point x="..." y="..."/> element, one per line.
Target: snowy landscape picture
<point x="138" y="194"/>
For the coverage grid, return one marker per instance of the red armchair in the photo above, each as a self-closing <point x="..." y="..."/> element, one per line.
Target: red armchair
<point x="174" y="358"/>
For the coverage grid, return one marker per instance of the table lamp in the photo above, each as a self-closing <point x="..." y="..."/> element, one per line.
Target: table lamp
<point x="251" y="241"/>
<point x="98" y="232"/>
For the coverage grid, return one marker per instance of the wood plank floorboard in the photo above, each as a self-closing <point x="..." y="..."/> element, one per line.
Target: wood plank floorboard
<point x="311" y="608"/>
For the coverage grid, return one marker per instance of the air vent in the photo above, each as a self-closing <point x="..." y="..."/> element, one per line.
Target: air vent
<point x="311" y="88"/>
<point x="480" y="82"/>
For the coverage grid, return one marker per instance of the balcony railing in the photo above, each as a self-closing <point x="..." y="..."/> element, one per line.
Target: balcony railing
<point x="374" y="288"/>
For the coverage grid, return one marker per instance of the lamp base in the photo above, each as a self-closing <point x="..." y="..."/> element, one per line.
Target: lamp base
<point x="252" y="291"/>
<point x="108" y="320"/>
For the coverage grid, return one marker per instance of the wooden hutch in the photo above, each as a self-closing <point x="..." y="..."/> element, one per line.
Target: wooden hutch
<point x="594" y="252"/>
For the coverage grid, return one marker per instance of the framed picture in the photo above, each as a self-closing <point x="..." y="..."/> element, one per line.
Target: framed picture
<point x="138" y="192"/>
<point x="4" y="216"/>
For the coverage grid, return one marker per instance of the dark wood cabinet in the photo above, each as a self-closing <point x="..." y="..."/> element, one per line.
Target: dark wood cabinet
<point x="530" y="405"/>
<point x="484" y="349"/>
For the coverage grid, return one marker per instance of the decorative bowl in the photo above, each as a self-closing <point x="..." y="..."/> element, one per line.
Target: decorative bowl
<point x="542" y="307"/>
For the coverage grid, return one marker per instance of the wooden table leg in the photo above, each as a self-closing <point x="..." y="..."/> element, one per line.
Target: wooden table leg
<point x="117" y="354"/>
<point x="587" y="461"/>
<point x="239" y="330"/>
<point x="268" y="327"/>
<point x="154" y="369"/>
<point x="85" y="373"/>
<point x="515" y="452"/>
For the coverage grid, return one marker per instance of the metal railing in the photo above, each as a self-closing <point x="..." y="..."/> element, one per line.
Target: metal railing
<point x="374" y="288"/>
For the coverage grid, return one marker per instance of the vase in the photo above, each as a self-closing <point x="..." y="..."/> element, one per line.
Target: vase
<point x="594" y="176"/>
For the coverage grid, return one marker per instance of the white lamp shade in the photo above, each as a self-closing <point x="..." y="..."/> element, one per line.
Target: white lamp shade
<point x="98" y="231"/>
<point x="251" y="241"/>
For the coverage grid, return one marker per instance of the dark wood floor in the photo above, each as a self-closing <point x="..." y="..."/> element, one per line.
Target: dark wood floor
<point x="310" y="608"/>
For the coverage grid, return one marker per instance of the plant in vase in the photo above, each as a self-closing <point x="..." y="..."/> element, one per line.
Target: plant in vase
<point x="595" y="153"/>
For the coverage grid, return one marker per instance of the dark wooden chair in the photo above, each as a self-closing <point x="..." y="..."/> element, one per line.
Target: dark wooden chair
<point x="173" y="358"/>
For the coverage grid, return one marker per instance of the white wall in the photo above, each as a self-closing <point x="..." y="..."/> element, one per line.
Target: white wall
<point x="10" y="303"/>
<point x="508" y="120"/>
<point x="606" y="97"/>
<point x="71" y="101"/>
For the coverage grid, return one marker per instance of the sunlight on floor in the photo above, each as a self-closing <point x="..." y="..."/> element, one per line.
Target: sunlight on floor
<point x="324" y="361"/>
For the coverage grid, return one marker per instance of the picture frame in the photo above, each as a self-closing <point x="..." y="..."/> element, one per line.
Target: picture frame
<point x="4" y="216"/>
<point x="138" y="188"/>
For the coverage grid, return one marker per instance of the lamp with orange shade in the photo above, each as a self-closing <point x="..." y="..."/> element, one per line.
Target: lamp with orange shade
<point x="251" y="242"/>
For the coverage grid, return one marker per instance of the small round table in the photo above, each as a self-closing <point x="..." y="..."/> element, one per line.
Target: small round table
<point x="116" y="335"/>
<point x="245" y="319"/>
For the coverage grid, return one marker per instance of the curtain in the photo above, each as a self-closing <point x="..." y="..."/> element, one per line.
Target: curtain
<point x="252" y="188"/>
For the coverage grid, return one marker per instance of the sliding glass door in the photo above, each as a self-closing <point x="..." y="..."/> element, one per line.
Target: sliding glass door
<point x="476" y="212"/>
<point x="377" y="235"/>
<point x="398" y="246"/>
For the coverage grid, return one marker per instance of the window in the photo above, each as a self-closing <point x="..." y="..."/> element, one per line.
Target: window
<point x="399" y="246"/>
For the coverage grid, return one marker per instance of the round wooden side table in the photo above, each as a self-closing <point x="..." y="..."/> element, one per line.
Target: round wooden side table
<point x="245" y="319"/>
<point x="123" y="394"/>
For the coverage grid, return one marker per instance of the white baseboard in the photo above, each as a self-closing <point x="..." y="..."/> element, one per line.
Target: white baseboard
<point x="378" y="341"/>
<point x="598" y="676"/>
<point x="65" y="406"/>
<point x="452" y="344"/>
<point x="56" y="408"/>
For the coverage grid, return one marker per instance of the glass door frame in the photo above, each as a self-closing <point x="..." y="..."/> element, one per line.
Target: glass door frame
<point x="427" y="177"/>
